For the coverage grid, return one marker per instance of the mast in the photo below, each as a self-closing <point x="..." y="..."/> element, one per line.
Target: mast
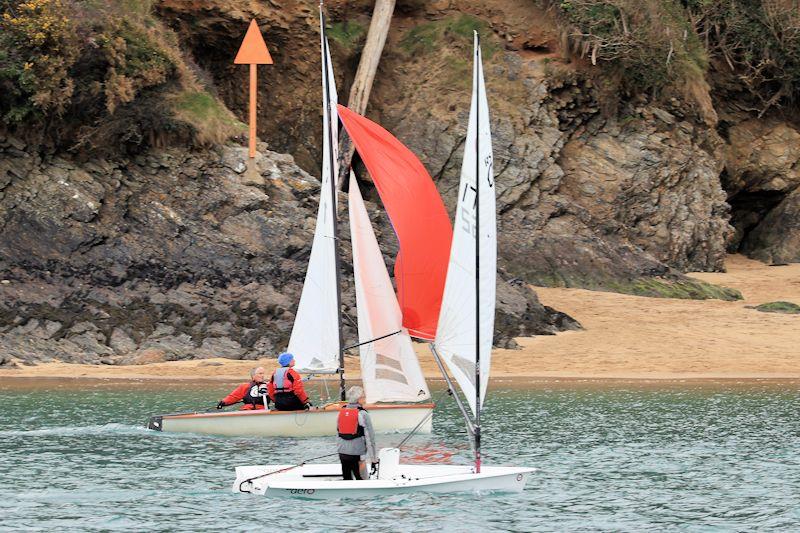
<point x="326" y="90"/>
<point x="477" y="263"/>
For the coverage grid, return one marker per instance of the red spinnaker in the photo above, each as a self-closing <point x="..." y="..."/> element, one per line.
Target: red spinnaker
<point x="418" y="217"/>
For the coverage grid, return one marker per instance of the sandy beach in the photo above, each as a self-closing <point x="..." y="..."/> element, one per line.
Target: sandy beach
<point x="624" y="337"/>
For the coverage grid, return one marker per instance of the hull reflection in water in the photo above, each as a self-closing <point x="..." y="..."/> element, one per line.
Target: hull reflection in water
<point x="311" y="423"/>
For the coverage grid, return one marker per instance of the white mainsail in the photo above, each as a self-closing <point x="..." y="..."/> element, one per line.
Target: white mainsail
<point x="389" y="367"/>
<point x="456" y="332"/>
<point x="315" y="335"/>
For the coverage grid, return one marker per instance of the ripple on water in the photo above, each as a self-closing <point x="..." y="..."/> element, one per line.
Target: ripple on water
<point x="617" y="459"/>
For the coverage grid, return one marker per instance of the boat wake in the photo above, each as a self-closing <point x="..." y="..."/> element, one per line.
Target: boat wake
<point x="114" y="428"/>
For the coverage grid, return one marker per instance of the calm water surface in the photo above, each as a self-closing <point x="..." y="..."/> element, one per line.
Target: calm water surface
<point x="611" y="457"/>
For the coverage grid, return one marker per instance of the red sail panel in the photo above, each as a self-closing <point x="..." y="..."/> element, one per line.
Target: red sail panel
<point x="418" y="217"/>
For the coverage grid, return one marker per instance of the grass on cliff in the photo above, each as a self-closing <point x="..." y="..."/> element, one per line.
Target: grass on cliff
<point x="347" y="33"/>
<point x="456" y="30"/>
<point x="445" y="46"/>
<point x="100" y="73"/>
<point x="788" y="308"/>
<point x="213" y="121"/>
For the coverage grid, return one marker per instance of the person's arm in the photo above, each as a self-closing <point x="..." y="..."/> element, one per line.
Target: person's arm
<point x="297" y="387"/>
<point x="369" y="435"/>
<point x="271" y="389"/>
<point x="236" y="396"/>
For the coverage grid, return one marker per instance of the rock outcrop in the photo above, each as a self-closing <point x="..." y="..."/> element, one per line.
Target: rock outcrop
<point x="763" y="182"/>
<point x="589" y="198"/>
<point x="173" y="255"/>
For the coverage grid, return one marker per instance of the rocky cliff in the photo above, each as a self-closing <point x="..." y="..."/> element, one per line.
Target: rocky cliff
<point x="601" y="185"/>
<point x="172" y="255"/>
<point x="621" y="201"/>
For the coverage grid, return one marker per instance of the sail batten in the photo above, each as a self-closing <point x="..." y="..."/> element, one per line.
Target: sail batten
<point x="389" y="367"/>
<point x="463" y="319"/>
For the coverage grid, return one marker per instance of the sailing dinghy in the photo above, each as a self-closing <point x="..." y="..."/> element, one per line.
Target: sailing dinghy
<point x="463" y="343"/>
<point x="397" y="395"/>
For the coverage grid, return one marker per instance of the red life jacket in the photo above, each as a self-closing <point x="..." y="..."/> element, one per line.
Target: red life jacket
<point x="347" y="424"/>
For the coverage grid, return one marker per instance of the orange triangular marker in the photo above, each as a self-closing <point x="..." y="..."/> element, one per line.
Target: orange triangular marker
<point x="253" y="50"/>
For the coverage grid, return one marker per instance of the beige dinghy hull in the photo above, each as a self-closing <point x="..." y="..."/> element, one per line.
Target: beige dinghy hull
<point x="386" y="418"/>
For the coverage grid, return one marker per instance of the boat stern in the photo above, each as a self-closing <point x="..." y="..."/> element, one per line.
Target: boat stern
<point x="252" y="479"/>
<point x="155" y="423"/>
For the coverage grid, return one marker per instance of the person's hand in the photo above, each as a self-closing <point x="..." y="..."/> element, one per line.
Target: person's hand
<point x="220" y="405"/>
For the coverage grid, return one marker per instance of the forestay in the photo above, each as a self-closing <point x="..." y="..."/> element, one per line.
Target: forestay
<point x="315" y="335"/>
<point x="456" y="332"/>
<point x="389" y="367"/>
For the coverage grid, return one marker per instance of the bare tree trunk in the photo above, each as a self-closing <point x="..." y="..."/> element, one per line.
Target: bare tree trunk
<point x="365" y="75"/>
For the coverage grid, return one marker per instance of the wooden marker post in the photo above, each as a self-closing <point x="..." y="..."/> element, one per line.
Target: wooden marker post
<point x="253" y="52"/>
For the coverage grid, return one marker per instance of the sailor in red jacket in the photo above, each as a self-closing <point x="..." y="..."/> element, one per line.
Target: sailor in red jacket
<point x="252" y="393"/>
<point x="286" y="386"/>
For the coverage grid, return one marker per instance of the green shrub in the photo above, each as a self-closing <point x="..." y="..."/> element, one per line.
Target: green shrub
<point x="38" y="46"/>
<point x="645" y="44"/>
<point x="758" y="41"/>
<point x="788" y="308"/>
<point x="346" y="33"/>
<point x="101" y="74"/>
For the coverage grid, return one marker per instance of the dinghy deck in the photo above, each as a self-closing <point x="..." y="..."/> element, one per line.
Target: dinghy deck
<point x="324" y="481"/>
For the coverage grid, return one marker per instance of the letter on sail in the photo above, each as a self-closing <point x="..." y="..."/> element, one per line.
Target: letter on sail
<point x="456" y="332"/>
<point x="315" y="335"/>
<point x="389" y="367"/>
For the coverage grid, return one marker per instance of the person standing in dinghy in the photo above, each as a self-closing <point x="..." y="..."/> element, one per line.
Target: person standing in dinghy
<point x="356" y="440"/>
<point x="252" y="394"/>
<point x="286" y="386"/>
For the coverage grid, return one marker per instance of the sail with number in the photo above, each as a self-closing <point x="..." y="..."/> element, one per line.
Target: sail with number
<point x="315" y="336"/>
<point x="473" y="261"/>
<point x="389" y="367"/>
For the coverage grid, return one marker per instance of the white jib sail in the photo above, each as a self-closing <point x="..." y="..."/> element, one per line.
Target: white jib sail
<point x="456" y="332"/>
<point x="315" y="335"/>
<point x="389" y="367"/>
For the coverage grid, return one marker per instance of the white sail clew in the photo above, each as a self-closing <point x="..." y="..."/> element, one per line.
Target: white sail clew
<point x="455" y="335"/>
<point x="389" y="367"/>
<point x="315" y="335"/>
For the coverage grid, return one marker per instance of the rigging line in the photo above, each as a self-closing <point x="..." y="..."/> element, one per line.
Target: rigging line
<point x="348" y="317"/>
<point x="424" y="419"/>
<point x="249" y="480"/>
<point x="373" y="340"/>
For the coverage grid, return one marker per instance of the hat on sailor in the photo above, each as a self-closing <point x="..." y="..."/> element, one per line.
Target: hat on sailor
<point x="285" y="359"/>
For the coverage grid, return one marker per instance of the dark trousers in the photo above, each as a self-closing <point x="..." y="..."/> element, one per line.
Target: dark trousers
<point x="286" y="401"/>
<point x="350" y="468"/>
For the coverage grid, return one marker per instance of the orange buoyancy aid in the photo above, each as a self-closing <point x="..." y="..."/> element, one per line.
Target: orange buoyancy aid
<point x="347" y="424"/>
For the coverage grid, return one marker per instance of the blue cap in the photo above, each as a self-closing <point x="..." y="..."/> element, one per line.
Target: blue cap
<point x="285" y="358"/>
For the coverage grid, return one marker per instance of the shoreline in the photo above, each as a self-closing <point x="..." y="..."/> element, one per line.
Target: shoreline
<point x="73" y="383"/>
<point x="625" y="338"/>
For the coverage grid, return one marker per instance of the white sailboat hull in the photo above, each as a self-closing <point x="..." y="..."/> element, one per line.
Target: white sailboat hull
<point x="311" y="423"/>
<point x="324" y="481"/>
